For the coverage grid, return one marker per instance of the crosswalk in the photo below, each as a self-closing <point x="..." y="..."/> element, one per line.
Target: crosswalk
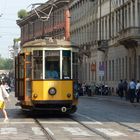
<point x="74" y="131"/>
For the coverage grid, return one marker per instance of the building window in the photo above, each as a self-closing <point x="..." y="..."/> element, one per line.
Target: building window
<point x="109" y="70"/>
<point x="126" y="67"/>
<point x="89" y="71"/>
<point x="130" y="68"/>
<point x="123" y="68"/>
<point x="112" y="70"/>
<point x="117" y="69"/>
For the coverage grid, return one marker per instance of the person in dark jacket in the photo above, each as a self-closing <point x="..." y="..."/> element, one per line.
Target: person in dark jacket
<point x="120" y="88"/>
<point x="125" y="89"/>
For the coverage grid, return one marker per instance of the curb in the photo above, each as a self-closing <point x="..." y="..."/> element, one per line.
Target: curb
<point x="111" y="98"/>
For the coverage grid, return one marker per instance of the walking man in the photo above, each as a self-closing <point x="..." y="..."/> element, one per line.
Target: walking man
<point x="132" y="88"/>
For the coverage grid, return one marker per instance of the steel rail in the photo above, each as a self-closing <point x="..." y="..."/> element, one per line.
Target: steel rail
<point x="47" y="134"/>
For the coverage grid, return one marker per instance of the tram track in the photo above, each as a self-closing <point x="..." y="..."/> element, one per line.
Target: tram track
<point x="95" y="131"/>
<point x="126" y="126"/>
<point x="47" y="134"/>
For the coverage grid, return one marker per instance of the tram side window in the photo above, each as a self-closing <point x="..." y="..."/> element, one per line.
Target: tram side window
<point x="75" y="65"/>
<point x="66" y="64"/>
<point x="52" y="64"/>
<point x="21" y="67"/>
<point x="37" y="64"/>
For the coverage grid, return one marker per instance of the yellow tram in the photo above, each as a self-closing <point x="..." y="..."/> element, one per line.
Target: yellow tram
<point x="45" y="71"/>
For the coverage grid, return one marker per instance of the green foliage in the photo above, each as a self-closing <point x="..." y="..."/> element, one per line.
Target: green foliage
<point x="16" y="39"/>
<point x="6" y="64"/>
<point x="22" y="13"/>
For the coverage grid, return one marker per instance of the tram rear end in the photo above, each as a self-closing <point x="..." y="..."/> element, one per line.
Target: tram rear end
<point x="39" y="86"/>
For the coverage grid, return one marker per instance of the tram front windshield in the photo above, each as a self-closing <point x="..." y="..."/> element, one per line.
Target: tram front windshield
<point x="52" y="64"/>
<point x="66" y="64"/>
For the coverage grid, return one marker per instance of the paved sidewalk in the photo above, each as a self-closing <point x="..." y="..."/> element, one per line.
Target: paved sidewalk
<point x="111" y="98"/>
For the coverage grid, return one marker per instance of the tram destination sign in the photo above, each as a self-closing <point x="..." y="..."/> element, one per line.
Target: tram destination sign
<point x="52" y="53"/>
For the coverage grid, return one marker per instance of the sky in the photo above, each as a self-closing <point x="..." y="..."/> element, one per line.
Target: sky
<point x="8" y="27"/>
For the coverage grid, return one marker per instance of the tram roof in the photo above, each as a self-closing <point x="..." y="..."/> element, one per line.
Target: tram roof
<point x="49" y="43"/>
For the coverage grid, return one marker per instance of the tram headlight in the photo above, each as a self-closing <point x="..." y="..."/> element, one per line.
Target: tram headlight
<point x="35" y="96"/>
<point x="52" y="91"/>
<point x="68" y="95"/>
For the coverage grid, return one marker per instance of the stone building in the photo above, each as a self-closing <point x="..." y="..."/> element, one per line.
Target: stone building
<point x="54" y="23"/>
<point x="108" y="33"/>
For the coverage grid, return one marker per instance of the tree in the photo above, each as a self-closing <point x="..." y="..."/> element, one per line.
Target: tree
<point x="6" y="64"/>
<point x="22" y="13"/>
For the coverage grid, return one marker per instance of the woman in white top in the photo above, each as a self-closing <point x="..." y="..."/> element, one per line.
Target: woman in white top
<point x="3" y="95"/>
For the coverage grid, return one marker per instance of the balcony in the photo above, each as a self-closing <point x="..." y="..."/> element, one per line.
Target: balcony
<point x="102" y="45"/>
<point x="129" y="37"/>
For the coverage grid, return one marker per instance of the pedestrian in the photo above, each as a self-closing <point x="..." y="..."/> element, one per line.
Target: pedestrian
<point x="138" y="90"/>
<point x="93" y="88"/>
<point x="132" y="88"/>
<point x="120" y="89"/>
<point x="84" y="88"/>
<point x="3" y="95"/>
<point x="125" y="89"/>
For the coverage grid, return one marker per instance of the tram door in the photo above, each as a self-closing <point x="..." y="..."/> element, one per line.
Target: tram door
<point x="19" y="76"/>
<point x="28" y="76"/>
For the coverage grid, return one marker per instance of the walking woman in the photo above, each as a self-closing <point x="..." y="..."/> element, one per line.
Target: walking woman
<point x="3" y="95"/>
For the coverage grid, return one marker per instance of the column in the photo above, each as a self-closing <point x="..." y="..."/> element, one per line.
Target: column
<point x="115" y="23"/>
<point x="136" y="13"/>
<point x="104" y="28"/>
<point x="67" y="24"/>
<point x="131" y="12"/>
<point x="98" y="22"/>
<point x="108" y="28"/>
<point x="128" y="16"/>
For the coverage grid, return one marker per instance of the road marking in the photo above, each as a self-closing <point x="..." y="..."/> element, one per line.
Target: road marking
<point x="76" y="131"/>
<point x="93" y="121"/>
<point x="44" y="122"/>
<point x="110" y="132"/>
<point x="9" y="122"/>
<point x="49" y="131"/>
<point x="37" y="131"/>
<point x="58" y="122"/>
<point x="10" y="130"/>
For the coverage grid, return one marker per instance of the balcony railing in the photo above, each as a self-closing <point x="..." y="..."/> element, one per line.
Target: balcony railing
<point x="129" y="37"/>
<point x="131" y="32"/>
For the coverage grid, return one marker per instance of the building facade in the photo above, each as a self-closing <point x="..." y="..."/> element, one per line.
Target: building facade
<point x="108" y="33"/>
<point x="57" y="25"/>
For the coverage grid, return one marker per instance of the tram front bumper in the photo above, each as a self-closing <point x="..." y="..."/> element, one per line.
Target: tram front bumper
<point x="62" y="106"/>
